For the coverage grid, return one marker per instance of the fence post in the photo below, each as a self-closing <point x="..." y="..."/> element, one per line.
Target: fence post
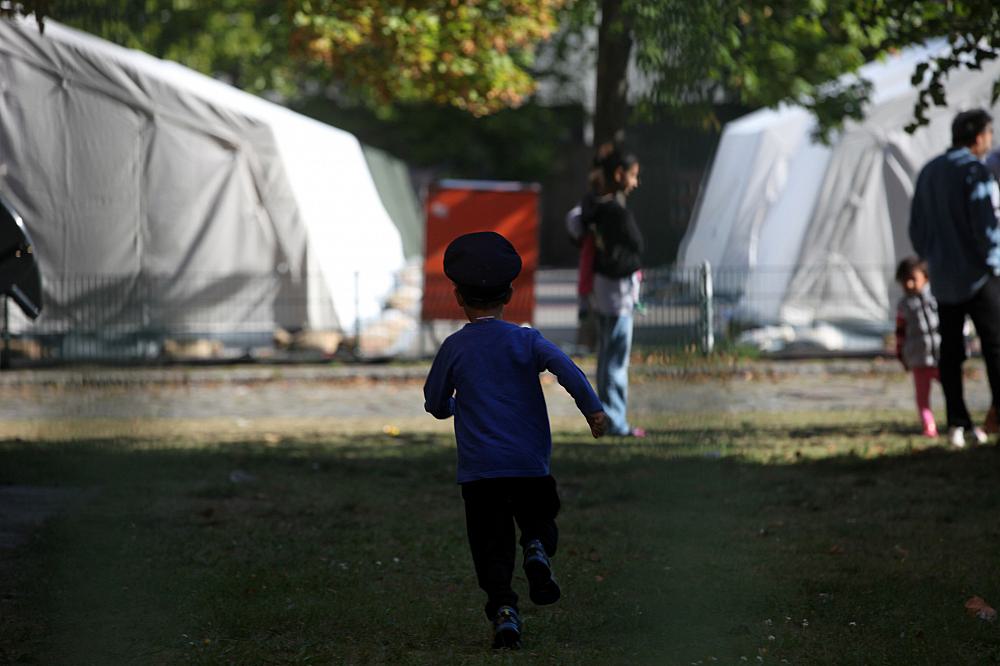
<point x="5" y="352"/>
<point x="707" y="309"/>
<point x="357" y="314"/>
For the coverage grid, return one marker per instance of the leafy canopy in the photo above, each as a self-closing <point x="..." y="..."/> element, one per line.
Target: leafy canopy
<point x="762" y="53"/>
<point x="471" y="54"/>
<point x="476" y="55"/>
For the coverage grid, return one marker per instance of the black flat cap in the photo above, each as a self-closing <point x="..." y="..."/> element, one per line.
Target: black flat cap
<point x="482" y="264"/>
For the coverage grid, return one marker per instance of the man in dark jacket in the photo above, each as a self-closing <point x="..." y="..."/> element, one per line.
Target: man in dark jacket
<point x="953" y="226"/>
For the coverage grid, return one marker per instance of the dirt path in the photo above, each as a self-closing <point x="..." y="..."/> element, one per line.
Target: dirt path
<point x="399" y="396"/>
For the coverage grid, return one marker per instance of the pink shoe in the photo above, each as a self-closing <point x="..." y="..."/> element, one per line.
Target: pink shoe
<point x="638" y="432"/>
<point x="930" y="427"/>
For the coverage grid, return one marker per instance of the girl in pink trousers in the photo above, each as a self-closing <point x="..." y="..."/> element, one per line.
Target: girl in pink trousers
<point x="917" y="339"/>
<point x="918" y="344"/>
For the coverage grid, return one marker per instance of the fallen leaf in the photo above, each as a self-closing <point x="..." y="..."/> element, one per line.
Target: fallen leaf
<point x="599" y="578"/>
<point x="900" y="552"/>
<point x="977" y="607"/>
<point x="836" y="549"/>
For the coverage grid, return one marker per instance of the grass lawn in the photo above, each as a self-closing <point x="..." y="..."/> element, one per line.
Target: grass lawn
<point x="802" y="539"/>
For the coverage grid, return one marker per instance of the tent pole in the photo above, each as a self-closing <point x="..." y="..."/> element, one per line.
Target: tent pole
<point x="357" y="314"/>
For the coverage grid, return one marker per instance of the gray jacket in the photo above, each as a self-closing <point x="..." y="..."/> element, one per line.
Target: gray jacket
<point x="918" y="342"/>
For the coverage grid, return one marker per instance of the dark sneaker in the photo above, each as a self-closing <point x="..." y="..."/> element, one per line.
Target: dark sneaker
<point x="507" y="628"/>
<point x="542" y="587"/>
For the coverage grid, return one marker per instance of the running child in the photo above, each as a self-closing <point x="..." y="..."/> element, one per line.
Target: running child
<point x="486" y="376"/>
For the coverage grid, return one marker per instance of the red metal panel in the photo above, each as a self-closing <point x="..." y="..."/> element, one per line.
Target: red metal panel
<point x="455" y="208"/>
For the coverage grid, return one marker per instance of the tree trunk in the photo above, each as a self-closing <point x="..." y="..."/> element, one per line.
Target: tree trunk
<point x="614" y="45"/>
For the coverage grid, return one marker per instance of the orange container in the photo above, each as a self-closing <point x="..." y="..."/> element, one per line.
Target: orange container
<point x="456" y="207"/>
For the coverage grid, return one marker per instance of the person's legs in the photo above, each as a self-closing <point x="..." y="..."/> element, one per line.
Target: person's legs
<point x="604" y="326"/>
<point x="952" y="321"/>
<point x="612" y="371"/>
<point x="985" y="313"/>
<point x="922" y="388"/>
<point x="536" y="505"/>
<point x="490" y="525"/>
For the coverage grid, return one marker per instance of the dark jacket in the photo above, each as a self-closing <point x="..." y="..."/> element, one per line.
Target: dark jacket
<point x="953" y="224"/>
<point x="617" y="238"/>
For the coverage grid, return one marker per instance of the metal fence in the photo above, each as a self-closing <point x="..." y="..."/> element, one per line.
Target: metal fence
<point x="702" y="307"/>
<point x="137" y="319"/>
<point x="113" y="320"/>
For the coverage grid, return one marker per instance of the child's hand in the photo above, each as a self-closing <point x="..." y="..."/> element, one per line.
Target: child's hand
<point x="598" y="422"/>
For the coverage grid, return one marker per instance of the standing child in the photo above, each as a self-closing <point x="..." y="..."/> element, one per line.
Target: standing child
<point x="486" y="376"/>
<point x="917" y="338"/>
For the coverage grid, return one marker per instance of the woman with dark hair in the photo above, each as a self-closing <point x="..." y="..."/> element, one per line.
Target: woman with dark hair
<point x="618" y="247"/>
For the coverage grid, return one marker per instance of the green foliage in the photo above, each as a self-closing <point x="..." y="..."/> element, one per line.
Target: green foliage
<point x="698" y="54"/>
<point x="472" y="55"/>
<point x="753" y="55"/>
<point x="972" y="28"/>
<point x="270" y="46"/>
<point x="477" y="55"/>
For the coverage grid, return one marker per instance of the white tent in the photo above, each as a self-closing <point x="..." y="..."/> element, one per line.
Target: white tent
<point x="233" y="214"/>
<point x="806" y="234"/>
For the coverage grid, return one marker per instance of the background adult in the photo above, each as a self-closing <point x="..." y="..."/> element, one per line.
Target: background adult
<point x="953" y="225"/>
<point x="618" y="248"/>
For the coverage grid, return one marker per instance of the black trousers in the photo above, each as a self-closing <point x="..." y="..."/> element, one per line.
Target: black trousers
<point x="492" y="506"/>
<point x="984" y="310"/>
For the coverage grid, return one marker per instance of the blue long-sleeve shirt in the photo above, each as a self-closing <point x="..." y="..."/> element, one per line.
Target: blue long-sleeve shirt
<point x="486" y="376"/>
<point x="953" y="224"/>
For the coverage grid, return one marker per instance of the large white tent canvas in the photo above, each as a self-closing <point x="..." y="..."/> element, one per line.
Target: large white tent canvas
<point x="807" y="233"/>
<point x="127" y="167"/>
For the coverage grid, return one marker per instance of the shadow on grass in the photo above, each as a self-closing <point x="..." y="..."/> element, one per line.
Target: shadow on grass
<point x="686" y="546"/>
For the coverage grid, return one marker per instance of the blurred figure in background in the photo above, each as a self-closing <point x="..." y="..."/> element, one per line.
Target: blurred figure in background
<point x="953" y="226"/>
<point x="917" y="338"/>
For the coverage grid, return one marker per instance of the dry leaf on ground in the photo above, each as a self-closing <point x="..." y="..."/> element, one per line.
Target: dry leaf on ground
<point x="977" y="607"/>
